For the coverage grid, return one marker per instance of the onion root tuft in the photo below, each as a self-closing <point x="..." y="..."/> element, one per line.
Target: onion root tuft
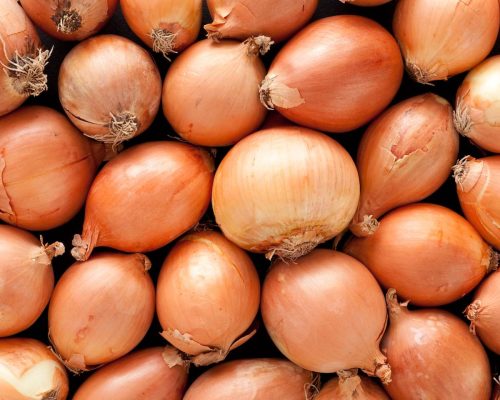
<point x="461" y="119"/>
<point x="163" y="42"/>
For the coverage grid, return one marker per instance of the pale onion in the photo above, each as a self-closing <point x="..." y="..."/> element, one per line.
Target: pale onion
<point x="22" y="58"/>
<point x="282" y="191"/>
<point x="101" y="309"/>
<point x="30" y="371"/>
<point x="70" y="19"/>
<point x="326" y="313"/>
<point x="240" y="19"/>
<point x="146" y="197"/>
<point x="142" y="375"/>
<point x="477" y="114"/>
<point x="259" y="378"/>
<point x="166" y="26"/>
<point x="366" y="3"/>
<point x="440" y="39"/>
<point x="110" y="106"/>
<point x="351" y="386"/>
<point x="428" y="253"/>
<point x="340" y="90"/>
<point x="209" y="94"/>
<point x="46" y="168"/>
<point x="404" y="156"/>
<point x="433" y="356"/>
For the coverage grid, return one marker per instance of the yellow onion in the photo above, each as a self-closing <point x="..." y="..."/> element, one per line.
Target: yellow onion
<point x="433" y="356"/>
<point x="146" y="197"/>
<point x="207" y="297"/>
<point x="46" y="168"/>
<point x="477" y="114"/>
<point x="110" y="106"/>
<point x="209" y="94"/>
<point x="70" y="19"/>
<point x="30" y="371"/>
<point x="326" y="313"/>
<point x="334" y="90"/>
<point x="404" y="156"/>
<point x="428" y="253"/>
<point x="259" y="378"/>
<point x="166" y="26"/>
<point x="101" y="309"/>
<point x="142" y="375"/>
<point x="365" y="3"/>
<point x="240" y="19"/>
<point x="282" y="191"/>
<point x="351" y="386"/>
<point x="22" y="58"/>
<point x="440" y="39"/>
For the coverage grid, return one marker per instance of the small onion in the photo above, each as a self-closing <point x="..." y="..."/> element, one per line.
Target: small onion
<point x="366" y="3"/>
<point x="351" y="386"/>
<point x="110" y="106"/>
<point x="334" y="91"/>
<point x="326" y="313"/>
<point x="46" y="168"/>
<point x="433" y="356"/>
<point x="404" y="156"/>
<point x="430" y="254"/>
<point x="209" y="93"/>
<point x="440" y="39"/>
<point x="101" y="309"/>
<point x="282" y="191"/>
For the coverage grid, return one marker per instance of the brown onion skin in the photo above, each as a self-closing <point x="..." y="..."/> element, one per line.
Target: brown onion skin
<point x="366" y="3"/>
<point x="46" y="168"/>
<point x="357" y="387"/>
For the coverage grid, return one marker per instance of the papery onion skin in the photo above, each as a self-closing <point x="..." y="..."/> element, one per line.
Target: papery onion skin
<point x="46" y="168"/>
<point x="440" y="39"/>
<point x="429" y="253"/>
<point x="263" y="378"/>
<point x="240" y="19"/>
<point x="282" y="191"/>
<point x="421" y="344"/>
<point x="334" y="91"/>
<point x="366" y="3"/>
<point x="146" y="197"/>
<point x="101" y="309"/>
<point x="404" y="156"/>
<point x="351" y="386"/>
<point x="30" y="371"/>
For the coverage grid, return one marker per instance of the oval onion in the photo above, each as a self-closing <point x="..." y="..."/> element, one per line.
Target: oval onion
<point x="365" y="3"/>
<point x="351" y="386"/>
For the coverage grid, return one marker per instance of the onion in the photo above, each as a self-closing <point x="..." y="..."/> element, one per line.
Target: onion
<point x="240" y="19"/>
<point x="334" y="91"/>
<point x="351" y="386"/>
<point x="70" y="19"/>
<point x="166" y="26"/>
<point x="209" y="93"/>
<point x="365" y="3"/>
<point x="430" y="254"/>
<point x="22" y="58"/>
<point x="326" y="313"/>
<point x="101" y="309"/>
<point x="140" y="375"/>
<point x="110" y="107"/>
<point x="259" y="378"/>
<point x="46" y="168"/>
<point x="433" y="356"/>
<point x="283" y="191"/>
<point x="404" y="156"/>
<point x="29" y="371"/>
<point x="440" y="39"/>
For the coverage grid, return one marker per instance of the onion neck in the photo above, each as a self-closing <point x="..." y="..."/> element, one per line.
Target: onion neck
<point x="494" y="260"/>
<point x="173" y="357"/>
<point x="258" y="45"/>
<point x="461" y="118"/>
<point x="367" y="227"/>
<point x="380" y="368"/>
<point x="394" y="307"/>
<point x="472" y="313"/>
<point x="349" y="382"/>
<point x="467" y="172"/>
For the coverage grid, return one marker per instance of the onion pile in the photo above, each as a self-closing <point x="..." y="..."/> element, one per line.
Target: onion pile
<point x="351" y="386"/>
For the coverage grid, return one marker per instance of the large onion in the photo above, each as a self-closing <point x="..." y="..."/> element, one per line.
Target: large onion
<point x="351" y="386"/>
<point x="282" y="191"/>
<point x="340" y="90"/>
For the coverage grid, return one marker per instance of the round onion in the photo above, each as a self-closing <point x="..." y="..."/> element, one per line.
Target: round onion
<point x="430" y="254"/>
<point x="209" y="93"/>
<point x="283" y="191"/>
<point x="334" y="91"/>
<point x="101" y="309"/>
<point x="263" y="378"/>
<point x="70" y="19"/>
<point x="351" y="386"/>
<point x="110" y="107"/>
<point x="433" y="356"/>
<point x="29" y="371"/>
<point x="326" y="313"/>
<point x="365" y="3"/>
<point x="240" y="19"/>
<point x="404" y="156"/>
<point x="46" y="168"/>
<point x="440" y="39"/>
